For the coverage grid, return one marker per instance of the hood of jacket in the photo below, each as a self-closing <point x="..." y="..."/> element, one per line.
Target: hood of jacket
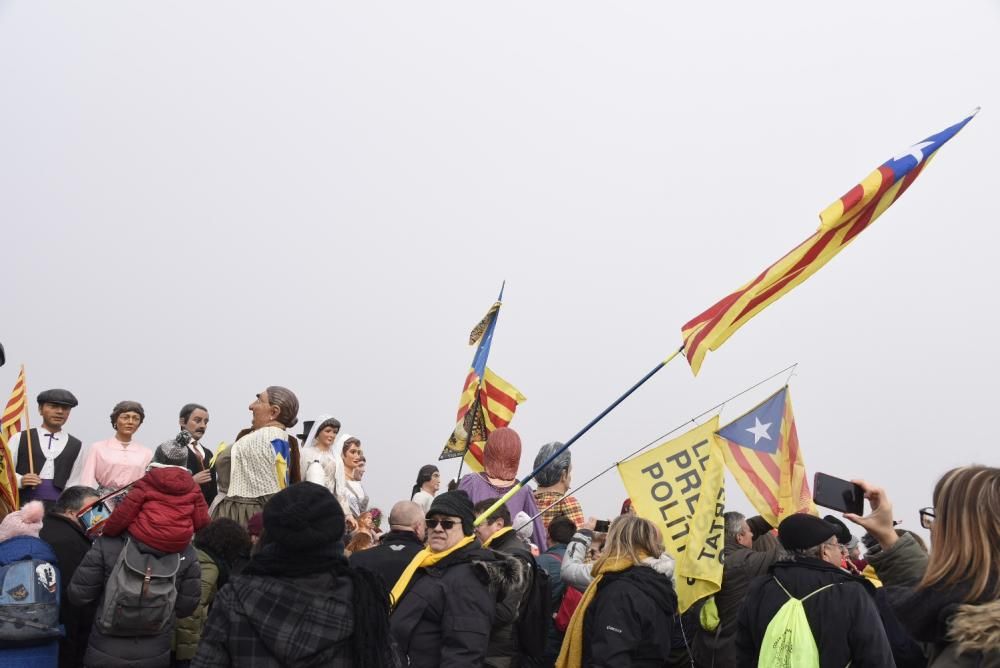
<point x="170" y="479"/>
<point x="505" y="574"/>
<point x="976" y="628"/>
<point x="294" y="636"/>
<point x="19" y="548"/>
<point x="654" y="577"/>
<point x="803" y="575"/>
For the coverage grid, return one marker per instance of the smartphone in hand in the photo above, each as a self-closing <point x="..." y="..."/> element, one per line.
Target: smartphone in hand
<point x="838" y="494"/>
<point x="602" y="526"/>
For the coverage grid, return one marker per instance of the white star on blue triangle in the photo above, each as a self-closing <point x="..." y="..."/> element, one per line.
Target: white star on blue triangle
<point x="759" y="429"/>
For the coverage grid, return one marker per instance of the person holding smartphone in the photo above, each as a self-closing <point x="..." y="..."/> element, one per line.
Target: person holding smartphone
<point x="947" y="599"/>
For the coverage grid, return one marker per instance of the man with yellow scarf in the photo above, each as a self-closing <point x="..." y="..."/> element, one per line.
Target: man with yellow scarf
<point x="443" y="607"/>
<point x="626" y="616"/>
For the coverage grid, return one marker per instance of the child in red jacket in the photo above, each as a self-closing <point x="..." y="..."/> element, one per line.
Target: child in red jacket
<point x="165" y="507"/>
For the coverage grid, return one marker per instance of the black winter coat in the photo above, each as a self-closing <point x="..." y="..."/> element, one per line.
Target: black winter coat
<point x="258" y="621"/>
<point x="510" y="577"/>
<point x="70" y="543"/>
<point x="88" y="585"/>
<point x="741" y="565"/>
<point x="630" y="621"/>
<point x="389" y="558"/>
<point x="445" y="616"/>
<point x="844" y="619"/>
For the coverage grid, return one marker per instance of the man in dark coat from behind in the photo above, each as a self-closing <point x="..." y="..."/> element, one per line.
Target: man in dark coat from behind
<point x="394" y="553"/>
<point x="843" y="618"/>
<point x="741" y="565"/>
<point x="298" y="602"/>
<point x="65" y="534"/>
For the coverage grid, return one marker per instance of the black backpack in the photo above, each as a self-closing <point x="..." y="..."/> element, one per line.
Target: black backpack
<point x="535" y="617"/>
<point x="29" y="603"/>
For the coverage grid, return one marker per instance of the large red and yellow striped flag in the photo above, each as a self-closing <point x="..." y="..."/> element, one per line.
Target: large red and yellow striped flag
<point x="840" y="224"/>
<point x="497" y="402"/>
<point x="10" y="424"/>
<point x="762" y="452"/>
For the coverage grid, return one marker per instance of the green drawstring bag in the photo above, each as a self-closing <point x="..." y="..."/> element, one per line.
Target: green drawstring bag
<point x="788" y="641"/>
<point x="709" y="615"/>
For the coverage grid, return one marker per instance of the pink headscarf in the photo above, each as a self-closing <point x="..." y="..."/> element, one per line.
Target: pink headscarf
<point x="502" y="454"/>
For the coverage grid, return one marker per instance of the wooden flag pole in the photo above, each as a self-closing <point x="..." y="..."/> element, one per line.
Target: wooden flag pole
<point x="27" y="423"/>
<point x="477" y="407"/>
<point x="524" y="481"/>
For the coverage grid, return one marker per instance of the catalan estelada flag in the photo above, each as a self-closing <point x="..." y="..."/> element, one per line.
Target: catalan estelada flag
<point x="488" y="401"/>
<point x="10" y="424"/>
<point x="762" y="452"/>
<point x="840" y="224"/>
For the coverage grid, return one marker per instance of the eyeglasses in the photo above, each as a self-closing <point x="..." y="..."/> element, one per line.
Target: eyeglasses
<point x="447" y="525"/>
<point x="927" y="517"/>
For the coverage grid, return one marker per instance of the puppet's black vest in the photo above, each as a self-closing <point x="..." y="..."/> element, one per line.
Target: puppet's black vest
<point x="63" y="463"/>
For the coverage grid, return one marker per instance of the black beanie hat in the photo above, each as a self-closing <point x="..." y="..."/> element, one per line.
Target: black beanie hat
<point x="304" y="517"/>
<point x="455" y="504"/>
<point x="843" y="533"/>
<point x="802" y="531"/>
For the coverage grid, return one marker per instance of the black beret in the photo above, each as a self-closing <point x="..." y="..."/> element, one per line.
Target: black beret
<point x="758" y="526"/>
<point x="61" y="397"/>
<point x="802" y="531"/>
<point x="843" y="533"/>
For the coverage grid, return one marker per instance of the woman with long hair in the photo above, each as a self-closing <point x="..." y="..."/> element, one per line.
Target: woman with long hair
<point x="948" y="600"/>
<point x="350" y="468"/>
<point x="626" y="616"/>
<point x="428" y="484"/>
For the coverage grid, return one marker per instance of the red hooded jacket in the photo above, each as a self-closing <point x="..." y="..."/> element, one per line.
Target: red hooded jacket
<point x="163" y="510"/>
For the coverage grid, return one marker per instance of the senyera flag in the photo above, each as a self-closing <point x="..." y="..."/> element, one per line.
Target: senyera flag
<point x="10" y="424"/>
<point x="840" y="224"/>
<point x="487" y="402"/>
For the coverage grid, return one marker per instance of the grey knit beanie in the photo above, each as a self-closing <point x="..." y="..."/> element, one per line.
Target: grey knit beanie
<point x="173" y="452"/>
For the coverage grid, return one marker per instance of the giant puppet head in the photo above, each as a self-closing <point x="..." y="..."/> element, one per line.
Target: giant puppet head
<point x="502" y="454"/>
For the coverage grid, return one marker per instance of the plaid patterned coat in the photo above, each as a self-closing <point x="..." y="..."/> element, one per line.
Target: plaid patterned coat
<point x="265" y="622"/>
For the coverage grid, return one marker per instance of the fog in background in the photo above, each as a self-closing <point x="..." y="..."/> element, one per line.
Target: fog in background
<point x="202" y="199"/>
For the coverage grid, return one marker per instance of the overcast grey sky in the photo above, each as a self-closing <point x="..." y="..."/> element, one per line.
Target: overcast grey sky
<point x="202" y="199"/>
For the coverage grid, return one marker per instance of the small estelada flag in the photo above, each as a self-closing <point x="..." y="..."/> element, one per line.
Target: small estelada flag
<point x="762" y="452"/>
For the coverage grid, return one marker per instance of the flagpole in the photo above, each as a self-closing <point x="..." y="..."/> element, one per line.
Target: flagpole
<point x="468" y="435"/>
<point x="27" y="422"/>
<point x="524" y="481"/>
<point x="479" y="387"/>
<point x="659" y="439"/>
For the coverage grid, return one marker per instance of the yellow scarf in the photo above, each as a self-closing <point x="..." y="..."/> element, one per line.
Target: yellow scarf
<point x="571" y="653"/>
<point x="497" y="535"/>
<point x="423" y="559"/>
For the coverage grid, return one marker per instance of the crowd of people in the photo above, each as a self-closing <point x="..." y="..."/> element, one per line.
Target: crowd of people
<point x="269" y="552"/>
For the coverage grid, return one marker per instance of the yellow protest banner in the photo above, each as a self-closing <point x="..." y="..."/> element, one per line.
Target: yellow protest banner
<point x="680" y="487"/>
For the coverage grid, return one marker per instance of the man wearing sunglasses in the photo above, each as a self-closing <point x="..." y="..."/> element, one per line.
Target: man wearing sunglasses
<point x="443" y="604"/>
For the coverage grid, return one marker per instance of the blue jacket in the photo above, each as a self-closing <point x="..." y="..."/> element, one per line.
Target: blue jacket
<point x="19" y="548"/>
